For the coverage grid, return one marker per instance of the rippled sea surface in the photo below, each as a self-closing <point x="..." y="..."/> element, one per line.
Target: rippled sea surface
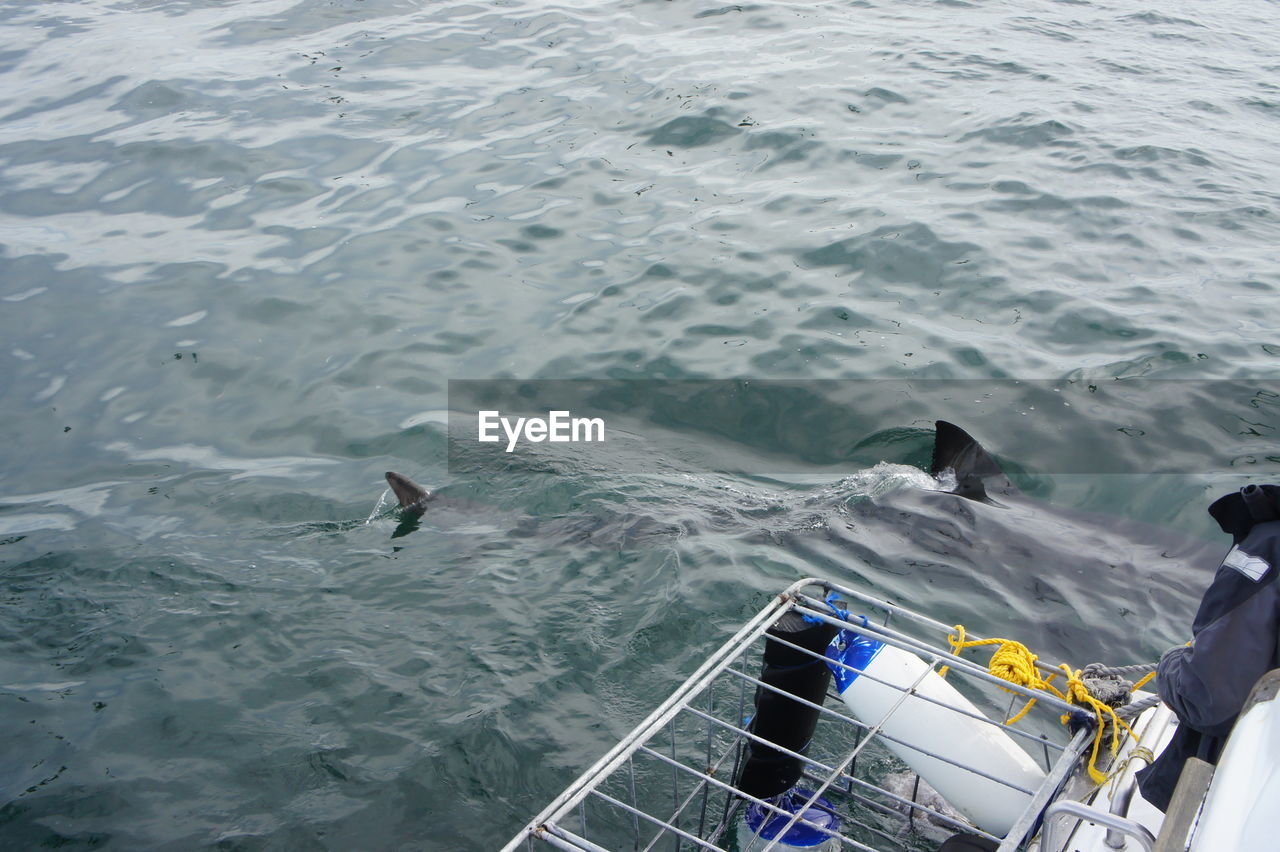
<point x="244" y="246"/>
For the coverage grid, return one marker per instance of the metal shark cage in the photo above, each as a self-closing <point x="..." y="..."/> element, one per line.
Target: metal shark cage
<point x="669" y="784"/>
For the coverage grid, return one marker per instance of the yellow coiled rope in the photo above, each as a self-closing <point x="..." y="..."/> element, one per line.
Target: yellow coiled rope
<point x="1015" y="663"/>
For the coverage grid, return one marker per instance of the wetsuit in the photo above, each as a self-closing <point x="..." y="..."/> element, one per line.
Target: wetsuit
<point x="1235" y="632"/>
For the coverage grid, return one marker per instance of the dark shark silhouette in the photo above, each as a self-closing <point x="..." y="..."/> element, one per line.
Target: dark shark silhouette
<point x="954" y="452"/>
<point x="976" y="535"/>
<point x="1079" y="580"/>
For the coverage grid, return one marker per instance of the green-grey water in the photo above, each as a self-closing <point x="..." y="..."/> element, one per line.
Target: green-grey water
<point x="244" y="246"/>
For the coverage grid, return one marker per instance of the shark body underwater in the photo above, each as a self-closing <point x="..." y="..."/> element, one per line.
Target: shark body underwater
<point x="1079" y="582"/>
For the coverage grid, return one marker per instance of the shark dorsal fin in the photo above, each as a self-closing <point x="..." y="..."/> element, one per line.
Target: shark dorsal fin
<point x="412" y="496"/>
<point x="975" y="470"/>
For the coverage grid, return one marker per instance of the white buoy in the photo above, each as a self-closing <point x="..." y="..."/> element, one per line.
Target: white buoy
<point x="937" y="729"/>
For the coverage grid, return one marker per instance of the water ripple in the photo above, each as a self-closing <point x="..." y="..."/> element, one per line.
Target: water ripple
<point x="244" y="247"/>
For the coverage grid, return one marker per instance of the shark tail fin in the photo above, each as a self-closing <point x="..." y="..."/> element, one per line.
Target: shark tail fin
<point x="974" y="468"/>
<point x="411" y="495"/>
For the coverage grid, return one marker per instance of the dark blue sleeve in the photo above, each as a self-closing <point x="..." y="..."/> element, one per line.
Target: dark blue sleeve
<point x="1207" y="683"/>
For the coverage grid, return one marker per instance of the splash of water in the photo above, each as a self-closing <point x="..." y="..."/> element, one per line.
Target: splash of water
<point x="378" y="507"/>
<point x="885" y="478"/>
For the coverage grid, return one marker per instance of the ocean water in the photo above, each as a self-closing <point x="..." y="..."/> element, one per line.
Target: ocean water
<point x="244" y="247"/>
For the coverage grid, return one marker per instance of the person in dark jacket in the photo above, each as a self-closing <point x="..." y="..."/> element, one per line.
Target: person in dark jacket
<point x="1235" y="636"/>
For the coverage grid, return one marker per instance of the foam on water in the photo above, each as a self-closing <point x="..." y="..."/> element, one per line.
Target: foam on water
<point x="887" y="477"/>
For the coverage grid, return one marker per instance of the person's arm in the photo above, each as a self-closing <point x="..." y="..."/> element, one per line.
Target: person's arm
<point x="1206" y="684"/>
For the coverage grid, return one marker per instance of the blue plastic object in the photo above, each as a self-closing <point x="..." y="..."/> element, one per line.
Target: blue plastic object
<point x="852" y="649"/>
<point x="766" y="824"/>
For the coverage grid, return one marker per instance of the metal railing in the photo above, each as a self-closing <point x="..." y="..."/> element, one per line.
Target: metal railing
<point x="669" y="783"/>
